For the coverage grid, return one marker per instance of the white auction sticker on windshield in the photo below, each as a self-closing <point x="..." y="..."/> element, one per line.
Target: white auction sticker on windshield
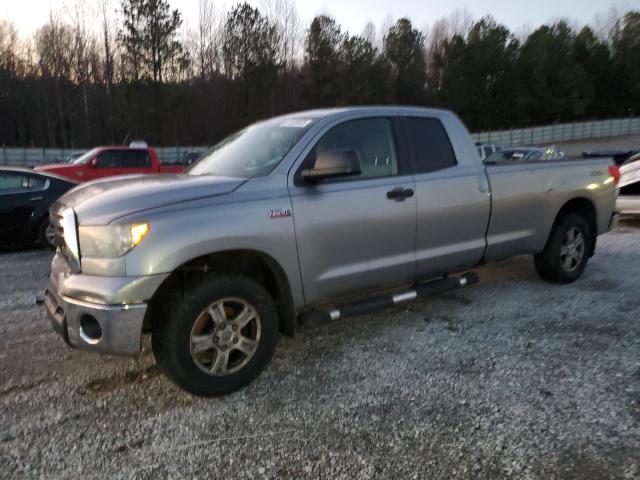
<point x="295" y="123"/>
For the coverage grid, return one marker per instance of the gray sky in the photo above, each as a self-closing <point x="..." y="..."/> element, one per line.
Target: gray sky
<point x="354" y="14"/>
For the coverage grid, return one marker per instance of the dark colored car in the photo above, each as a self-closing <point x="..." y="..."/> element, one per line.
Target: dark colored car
<point x="619" y="156"/>
<point x="526" y="154"/>
<point x="25" y="198"/>
<point x="192" y="157"/>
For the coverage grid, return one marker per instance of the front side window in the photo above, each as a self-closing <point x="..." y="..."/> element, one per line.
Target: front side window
<point x="12" y="181"/>
<point x="85" y="158"/>
<point x="254" y="151"/>
<point x="433" y="150"/>
<point x="109" y="159"/>
<point x="371" y="139"/>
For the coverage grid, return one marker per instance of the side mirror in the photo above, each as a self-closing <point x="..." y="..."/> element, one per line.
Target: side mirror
<point x="333" y="164"/>
<point x="94" y="162"/>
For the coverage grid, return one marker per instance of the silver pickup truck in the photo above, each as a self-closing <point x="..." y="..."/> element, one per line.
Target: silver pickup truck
<point x="339" y="210"/>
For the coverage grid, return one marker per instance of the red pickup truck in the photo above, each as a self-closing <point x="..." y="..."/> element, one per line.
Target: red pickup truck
<point x="109" y="161"/>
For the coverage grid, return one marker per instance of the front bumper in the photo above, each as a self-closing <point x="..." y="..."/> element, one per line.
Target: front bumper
<point x="100" y="314"/>
<point x="119" y="326"/>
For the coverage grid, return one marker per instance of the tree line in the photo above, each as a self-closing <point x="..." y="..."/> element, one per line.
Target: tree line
<point x="132" y="70"/>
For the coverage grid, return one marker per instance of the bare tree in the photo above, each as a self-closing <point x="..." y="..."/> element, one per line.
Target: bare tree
<point x="458" y="22"/>
<point x="55" y="61"/>
<point x="386" y="25"/>
<point x="12" y="50"/>
<point x="284" y="15"/>
<point x="209" y="37"/>
<point x="84" y="53"/>
<point x="108" y="40"/>
<point x="604" y="23"/>
<point x="369" y="33"/>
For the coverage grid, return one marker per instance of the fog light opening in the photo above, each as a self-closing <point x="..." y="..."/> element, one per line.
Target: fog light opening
<point x="90" y="329"/>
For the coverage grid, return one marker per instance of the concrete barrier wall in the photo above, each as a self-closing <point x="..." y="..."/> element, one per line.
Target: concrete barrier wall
<point x="561" y="132"/>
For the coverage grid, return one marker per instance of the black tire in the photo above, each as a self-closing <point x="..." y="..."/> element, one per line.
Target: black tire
<point x="42" y="234"/>
<point x="171" y="333"/>
<point x="550" y="264"/>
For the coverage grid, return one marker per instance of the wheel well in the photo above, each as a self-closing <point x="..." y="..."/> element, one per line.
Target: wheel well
<point x="256" y="265"/>
<point x="586" y="209"/>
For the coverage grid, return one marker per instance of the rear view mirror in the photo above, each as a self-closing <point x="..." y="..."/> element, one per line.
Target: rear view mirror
<point x="333" y="164"/>
<point x="94" y="162"/>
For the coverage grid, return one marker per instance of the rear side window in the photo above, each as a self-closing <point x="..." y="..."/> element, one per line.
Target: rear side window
<point x="136" y="159"/>
<point x="431" y="143"/>
<point x="34" y="183"/>
<point x="124" y="159"/>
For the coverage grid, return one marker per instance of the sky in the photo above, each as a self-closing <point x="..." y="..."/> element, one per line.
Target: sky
<point x="28" y="15"/>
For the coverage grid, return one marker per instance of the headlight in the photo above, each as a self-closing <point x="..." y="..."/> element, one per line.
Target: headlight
<point x="110" y="241"/>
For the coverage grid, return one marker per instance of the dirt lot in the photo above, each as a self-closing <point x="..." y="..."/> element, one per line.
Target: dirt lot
<point x="511" y="378"/>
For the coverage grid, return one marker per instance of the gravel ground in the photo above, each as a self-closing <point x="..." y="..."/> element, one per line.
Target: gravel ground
<point x="511" y="378"/>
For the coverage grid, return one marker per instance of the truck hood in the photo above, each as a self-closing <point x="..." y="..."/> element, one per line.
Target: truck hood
<point x="102" y="201"/>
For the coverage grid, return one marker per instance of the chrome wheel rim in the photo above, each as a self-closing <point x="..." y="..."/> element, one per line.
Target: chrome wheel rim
<point x="572" y="249"/>
<point x="50" y="234"/>
<point x="225" y="336"/>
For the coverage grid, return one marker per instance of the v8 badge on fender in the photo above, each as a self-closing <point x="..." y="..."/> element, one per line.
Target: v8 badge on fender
<point x="279" y="213"/>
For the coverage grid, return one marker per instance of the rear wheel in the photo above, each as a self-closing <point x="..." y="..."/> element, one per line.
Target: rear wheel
<point x="217" y="336"/>
<point x="47" y="234"/>
<point x="565" y="256"/>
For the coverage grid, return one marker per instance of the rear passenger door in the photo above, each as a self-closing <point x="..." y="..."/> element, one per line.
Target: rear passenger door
<point x="452" y="201"/>
<point x="352" y="234"/>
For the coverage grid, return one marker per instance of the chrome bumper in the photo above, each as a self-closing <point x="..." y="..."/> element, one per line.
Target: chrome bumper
<point x="100" y="314"/>
<point x="114" y="329"/>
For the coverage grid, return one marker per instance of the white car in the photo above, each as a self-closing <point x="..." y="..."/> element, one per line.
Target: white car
<point x="629" y="199"/>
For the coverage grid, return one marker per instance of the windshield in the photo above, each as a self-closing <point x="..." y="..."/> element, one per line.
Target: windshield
<point x="254" y="151"/>
<point x="84" y="158"/>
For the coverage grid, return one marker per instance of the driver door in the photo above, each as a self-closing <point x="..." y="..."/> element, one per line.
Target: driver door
<point x="352" y="234"/>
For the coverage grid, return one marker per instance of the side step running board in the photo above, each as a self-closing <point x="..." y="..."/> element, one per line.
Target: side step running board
<point x="384" y="301"/>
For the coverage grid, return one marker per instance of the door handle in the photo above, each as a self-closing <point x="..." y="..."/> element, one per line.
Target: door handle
<point x="35" y="199"/>
<point x="400" y="194"/>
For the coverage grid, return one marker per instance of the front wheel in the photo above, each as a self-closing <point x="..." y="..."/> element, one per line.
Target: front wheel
<point x="47" y="234"/>
<point x="217" y="336"/>
<point x="565" y="256"/>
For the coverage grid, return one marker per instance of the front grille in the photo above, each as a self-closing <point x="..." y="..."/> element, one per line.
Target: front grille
<point x="56" y="221"/>
<point x="61" y="217"/>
